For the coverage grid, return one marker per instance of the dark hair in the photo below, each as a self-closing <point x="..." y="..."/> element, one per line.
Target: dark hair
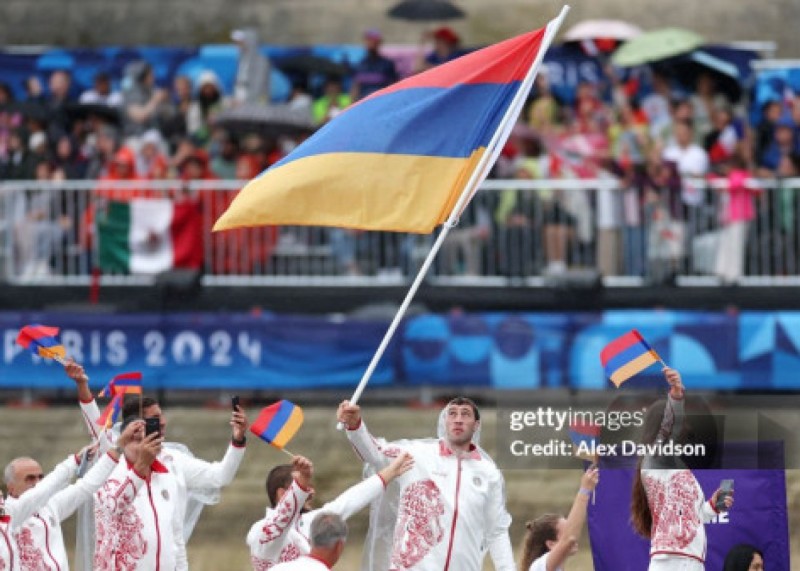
<point x="537" y="533"/>
<point x="279" y="477"/>
<point x="641" y="516"/>
<point x="131" y="407"/>
<point x="740" y="557"/>
<point x="468" y="402"/>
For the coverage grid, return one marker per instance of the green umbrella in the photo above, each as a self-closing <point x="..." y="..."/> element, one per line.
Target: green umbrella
<point x="656" y="46"/>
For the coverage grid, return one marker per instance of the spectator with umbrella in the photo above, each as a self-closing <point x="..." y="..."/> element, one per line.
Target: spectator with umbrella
<point x="446" y="47"/>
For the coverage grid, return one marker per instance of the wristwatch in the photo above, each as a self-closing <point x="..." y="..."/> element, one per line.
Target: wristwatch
<point x="119" y="450"/>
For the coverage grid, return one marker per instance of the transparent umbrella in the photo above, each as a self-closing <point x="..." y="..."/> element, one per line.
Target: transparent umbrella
<point x="655" y="46"/>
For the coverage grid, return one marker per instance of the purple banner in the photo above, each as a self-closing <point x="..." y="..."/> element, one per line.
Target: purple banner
<point x="759" y="518"/>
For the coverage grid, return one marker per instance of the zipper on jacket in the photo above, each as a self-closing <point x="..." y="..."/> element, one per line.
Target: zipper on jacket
<point x="455" y="518"/>
<point x="47" y="541"/>
<point x="158" y="531"/>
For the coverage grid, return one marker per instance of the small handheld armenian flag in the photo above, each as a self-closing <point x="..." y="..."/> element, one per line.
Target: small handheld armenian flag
<point x="111" y="412"/>
<point x="41" y="340"/>
<point x="627" y="355"/>
<point x="278" y="423"/>
<point x="121" y="385"/>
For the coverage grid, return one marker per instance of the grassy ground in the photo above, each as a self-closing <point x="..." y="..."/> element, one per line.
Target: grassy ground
<point x="218" y="541"/>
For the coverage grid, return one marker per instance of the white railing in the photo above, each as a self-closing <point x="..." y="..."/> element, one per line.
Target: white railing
<point x="524" y="232"/>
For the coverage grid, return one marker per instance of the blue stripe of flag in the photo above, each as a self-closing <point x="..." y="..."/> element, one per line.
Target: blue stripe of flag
<point x="278" y="421"/>
<point x="46" y="342"/>
<point x="428" y="121"/>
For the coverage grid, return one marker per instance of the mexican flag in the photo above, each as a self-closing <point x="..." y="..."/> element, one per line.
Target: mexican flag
<point x="149" y="236"/>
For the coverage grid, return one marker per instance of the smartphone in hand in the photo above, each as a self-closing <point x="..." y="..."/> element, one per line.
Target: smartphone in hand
<point x="152" y="425"/>
<point x="726" y="487"/>
<point x="235" y="402"/>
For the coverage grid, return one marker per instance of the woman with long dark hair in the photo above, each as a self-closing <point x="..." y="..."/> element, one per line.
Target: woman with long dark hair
<point x="550" y="539"/>
<point x="668" y="506"/>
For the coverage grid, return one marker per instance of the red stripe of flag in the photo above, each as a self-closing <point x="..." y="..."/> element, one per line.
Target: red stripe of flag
<point x="620" y="344"/>
<point x="33" y="332"/>
<point x="504" y="62"/>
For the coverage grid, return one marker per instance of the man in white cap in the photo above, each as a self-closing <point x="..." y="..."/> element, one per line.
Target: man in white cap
<point x="451" y="506"/>
<point x="252" y="75"/>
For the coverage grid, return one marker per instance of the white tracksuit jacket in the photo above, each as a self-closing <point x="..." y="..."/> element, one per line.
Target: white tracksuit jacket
<point x="676" y="500"/>
<point x="18" y="510"/>
<point x="282" y="535"/>
<point x="451" y="508"/>
<point x="139" y="523"/>
<point x="39" y="540"/>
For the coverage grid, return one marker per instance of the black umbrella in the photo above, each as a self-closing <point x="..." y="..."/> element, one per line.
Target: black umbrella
<point x="426" y="10"/>
<point x="307" y="63"/>
<point x="687" y="68"/>
<point x="269" y="120"/>
<point x="106" y="113"/>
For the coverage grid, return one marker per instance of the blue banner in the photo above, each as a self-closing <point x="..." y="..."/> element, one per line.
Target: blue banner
<point x="200" y="351"/>
<point x="501" y="350"/>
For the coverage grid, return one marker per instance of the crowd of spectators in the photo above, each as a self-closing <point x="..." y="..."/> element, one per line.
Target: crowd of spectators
<point x="655" y="140"/>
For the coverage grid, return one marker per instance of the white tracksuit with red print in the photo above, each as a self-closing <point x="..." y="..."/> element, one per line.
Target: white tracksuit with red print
<point x="677" y="503"/>
<point x="139" y="522"/>
<point x="283" y="534"/>
<point x="451" y="508"/>
<point x="39" y="539"/>
<point x="15" y="511"/>
<point x="131" y="506"/>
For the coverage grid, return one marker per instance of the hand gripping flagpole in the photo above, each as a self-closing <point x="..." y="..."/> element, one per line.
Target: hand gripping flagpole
<point x="481" y="170"/>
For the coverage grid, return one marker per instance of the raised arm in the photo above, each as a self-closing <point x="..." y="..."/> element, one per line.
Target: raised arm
<point x="359" y="496"/>
<point x="672" y="422"/>
<point x="267" y="537"/>
<point x="116" y="495"/>
<point x="88" y="404"/>
<point x="575" y="521"/>
<point x="23" y="507"/>
<point x="65" y="502"/>
<point x="203" y="474"/>
<point x="374" y="452"/>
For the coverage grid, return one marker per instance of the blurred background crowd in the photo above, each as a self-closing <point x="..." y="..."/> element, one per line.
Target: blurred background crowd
<point x="672" y="163"/>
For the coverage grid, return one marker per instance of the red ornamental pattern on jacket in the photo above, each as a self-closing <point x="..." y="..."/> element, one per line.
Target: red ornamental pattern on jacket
<point x="120" y="543"/>
<point x="277" y="526"/>
<point x="289" y="553"/>
<point x="30" y="558"/>
<point x="419" y="527"/>
<point x="674" y="509"/>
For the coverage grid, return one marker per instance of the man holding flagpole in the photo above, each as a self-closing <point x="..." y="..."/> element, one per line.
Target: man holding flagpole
<point x="451" y="505"/>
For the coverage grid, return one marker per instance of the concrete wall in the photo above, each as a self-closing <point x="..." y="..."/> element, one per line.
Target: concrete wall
<point x="189" y="22"/>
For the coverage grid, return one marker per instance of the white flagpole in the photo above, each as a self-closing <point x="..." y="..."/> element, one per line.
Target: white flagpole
<point x="481" y="170"/>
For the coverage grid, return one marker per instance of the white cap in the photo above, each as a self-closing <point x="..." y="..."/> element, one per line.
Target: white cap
<point x="238" y="35"/>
